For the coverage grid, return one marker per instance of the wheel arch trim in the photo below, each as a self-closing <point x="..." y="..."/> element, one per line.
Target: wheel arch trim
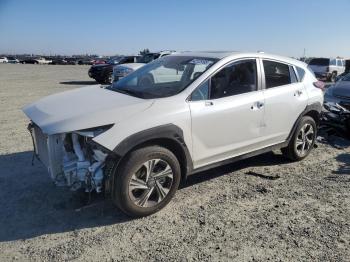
<point x="158" y="133"/>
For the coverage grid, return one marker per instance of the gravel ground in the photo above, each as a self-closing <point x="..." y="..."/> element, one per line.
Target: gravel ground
<point x="263" y="208"/>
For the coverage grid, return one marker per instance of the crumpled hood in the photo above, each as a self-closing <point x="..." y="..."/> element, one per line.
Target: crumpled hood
<point x="82" y="108"/>
<point x="341" y="89"/>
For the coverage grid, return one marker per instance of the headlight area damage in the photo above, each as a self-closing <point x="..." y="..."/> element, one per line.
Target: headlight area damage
<point x="72" y="159"/>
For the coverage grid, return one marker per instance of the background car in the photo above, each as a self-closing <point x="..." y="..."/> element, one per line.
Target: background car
<point x="71" y="60"/>
<point x="121" y="71"/>
<point x="86" y="61"/>
<point x="347" y="70"/>
<point x="327" y="69"/>
<point x="58" y="61"/>
<point x="339" y="92"/>
<point x="103" y="73"/>
<point x="3" y="59"/>
<point x="12" y="60"/>
<point x="99" y="61"/>
<point x="35" y="60"/>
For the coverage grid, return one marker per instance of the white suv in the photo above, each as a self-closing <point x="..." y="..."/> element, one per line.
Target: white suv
<point x="327" y="69"/>
<point x="138" y="138"/>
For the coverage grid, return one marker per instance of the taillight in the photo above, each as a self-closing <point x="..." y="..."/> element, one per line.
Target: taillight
<point x="319" y="84"/>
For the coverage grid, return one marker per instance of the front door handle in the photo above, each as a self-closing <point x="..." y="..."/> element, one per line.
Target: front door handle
<point x="257" y="105"/>
<point x="209" y="103"/>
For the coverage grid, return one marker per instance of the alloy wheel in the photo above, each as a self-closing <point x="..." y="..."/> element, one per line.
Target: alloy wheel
<point x="305" y="139"/>
<point x="151" y="183"/>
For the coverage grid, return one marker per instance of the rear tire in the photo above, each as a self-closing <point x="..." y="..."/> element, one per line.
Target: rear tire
<point x="146" y="181"/>
<point x="302" y="141"/>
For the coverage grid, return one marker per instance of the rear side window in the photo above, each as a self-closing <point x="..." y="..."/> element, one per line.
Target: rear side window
<point x="301" y="73"/>
<point x="333" y="62"/>
<point x="339" y="63"/>
<point x="276" y="74"/>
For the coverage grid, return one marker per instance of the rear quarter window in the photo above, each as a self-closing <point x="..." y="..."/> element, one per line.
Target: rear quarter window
<point x="301" y="73"/>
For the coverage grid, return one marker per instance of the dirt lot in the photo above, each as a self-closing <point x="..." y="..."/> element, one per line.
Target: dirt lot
<point x="264" y="208"/>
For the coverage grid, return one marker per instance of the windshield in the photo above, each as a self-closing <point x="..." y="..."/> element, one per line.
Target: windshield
<point x="166" y="76"/>
<point x="319" y="61"/>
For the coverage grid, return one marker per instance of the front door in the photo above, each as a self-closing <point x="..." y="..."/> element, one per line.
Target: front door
<point x="227" y="113"/>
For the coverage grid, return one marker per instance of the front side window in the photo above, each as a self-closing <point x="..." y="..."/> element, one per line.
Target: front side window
<point x="339" y="63"/>
<point x="276" y="74"/>
<point x="237" y="78"/>
<point x="164" y="77"/>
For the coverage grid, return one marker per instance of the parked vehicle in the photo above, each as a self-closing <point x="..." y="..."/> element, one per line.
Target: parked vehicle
<point x="86" y="61"/>
<point x="35" y="60"/>
<point x="103" y="73"/>
<point x="71" y="60"/>
<point x="339" y="92"/>
<point x="99" y="61"/>
<point x="335" y="120"/>
<point x="327" y="69"/>
<point x="121" y="71"/>
<point x="3" y="59"/>
<point x="58" y="61"/>
<point x="12" y="60"/>
<point x="138" y="138"/>
<point x="347" y="70"/>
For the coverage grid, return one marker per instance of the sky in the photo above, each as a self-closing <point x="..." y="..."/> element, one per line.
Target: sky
<point x="108" y="27"/>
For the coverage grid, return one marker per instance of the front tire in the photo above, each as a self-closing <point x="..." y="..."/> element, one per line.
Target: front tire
<point x="146" y="181"/>
<point x="302" y="141"/>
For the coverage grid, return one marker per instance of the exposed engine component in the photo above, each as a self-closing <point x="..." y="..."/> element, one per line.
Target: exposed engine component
<point x="71" y="159"/>
<point x="84" y="166"/>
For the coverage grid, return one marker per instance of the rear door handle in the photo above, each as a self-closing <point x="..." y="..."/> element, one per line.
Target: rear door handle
<point x="298" y="93"/>
<point x="209" y="103"/>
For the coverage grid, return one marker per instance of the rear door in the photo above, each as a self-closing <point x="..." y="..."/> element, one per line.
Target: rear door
<point x="285" y="99"/>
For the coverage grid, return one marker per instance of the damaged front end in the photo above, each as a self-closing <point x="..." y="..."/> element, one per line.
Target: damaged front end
<point x="73" y="159"/>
